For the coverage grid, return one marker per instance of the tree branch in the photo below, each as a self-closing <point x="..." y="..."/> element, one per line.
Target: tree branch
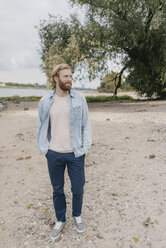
<point x="119" y="80"/>
<point x="150" y="17"/>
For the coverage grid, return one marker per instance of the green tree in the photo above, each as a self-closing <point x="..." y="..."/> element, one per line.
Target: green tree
<point x="71" y="42"/>
<point x="109" y="82"/>
<point x="132" y="30"/>
<point x="57" y="44"/>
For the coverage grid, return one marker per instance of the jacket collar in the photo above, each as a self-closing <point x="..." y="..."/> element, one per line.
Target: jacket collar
<point x="72" y="93"/>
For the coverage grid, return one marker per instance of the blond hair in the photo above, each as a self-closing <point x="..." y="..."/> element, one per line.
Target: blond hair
<point x="57" y="68"/>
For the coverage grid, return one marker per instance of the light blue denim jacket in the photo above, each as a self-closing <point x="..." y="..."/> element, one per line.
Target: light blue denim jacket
<point x="80" y="128"/>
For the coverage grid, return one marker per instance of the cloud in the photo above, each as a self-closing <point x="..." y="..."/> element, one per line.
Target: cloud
<point x="19" y="39"/>
<point x="13" y="62"/>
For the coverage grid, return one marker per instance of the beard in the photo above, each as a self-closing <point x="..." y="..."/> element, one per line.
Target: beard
<point x="65" y="86"/>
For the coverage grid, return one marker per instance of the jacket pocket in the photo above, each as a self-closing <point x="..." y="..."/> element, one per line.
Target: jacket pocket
<point x="77" y="112"/>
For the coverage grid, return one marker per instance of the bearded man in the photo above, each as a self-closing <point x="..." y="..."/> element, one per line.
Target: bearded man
<point x="64" y="136"/>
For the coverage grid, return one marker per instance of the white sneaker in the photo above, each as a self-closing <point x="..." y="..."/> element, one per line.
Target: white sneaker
<point x="56" y="231"/>
<point x="80" y="226"/>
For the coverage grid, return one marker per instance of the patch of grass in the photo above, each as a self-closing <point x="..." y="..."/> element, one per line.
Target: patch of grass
<point x="108" y="98"/>
<point x="19" y="99"/>
<point x="126" y="90"/>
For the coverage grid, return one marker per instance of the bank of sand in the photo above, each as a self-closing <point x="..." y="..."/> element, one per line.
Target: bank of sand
<point x="125" y="191"/>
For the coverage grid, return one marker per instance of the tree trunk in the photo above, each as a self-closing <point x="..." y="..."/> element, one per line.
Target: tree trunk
<point x="119" y="81"/>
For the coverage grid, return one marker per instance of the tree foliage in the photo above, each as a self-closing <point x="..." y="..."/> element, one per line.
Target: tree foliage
<point x="109" y="82"/>
<point x="134" y="29"/>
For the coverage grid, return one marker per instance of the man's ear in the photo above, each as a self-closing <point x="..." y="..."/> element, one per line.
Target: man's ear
<point x="55" y="78"/>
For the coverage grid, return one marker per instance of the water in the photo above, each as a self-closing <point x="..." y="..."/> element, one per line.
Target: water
<point x="5" y="92"/>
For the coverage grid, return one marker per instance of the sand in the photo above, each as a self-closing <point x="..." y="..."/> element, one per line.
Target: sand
<point x="125" y="191"/>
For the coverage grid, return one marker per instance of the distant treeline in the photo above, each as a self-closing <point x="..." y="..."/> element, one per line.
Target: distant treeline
<point x="84" y="89"/>
<point x="36" y="85"/>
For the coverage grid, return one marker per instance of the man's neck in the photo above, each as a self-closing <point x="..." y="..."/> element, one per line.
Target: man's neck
<point x="61" y="93"/>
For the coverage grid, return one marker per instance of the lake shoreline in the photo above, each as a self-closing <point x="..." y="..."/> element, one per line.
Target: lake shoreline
<point x="28" y="105"/>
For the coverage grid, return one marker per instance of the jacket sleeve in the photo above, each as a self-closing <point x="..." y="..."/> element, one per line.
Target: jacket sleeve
<point x="86" y="127"/>
<point x="39" y="115"/>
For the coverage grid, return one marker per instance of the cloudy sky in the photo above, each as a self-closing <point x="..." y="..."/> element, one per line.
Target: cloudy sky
<point x="19" y="41"/>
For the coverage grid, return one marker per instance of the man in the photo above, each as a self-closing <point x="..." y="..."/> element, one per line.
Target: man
<point x="64" y="136"/>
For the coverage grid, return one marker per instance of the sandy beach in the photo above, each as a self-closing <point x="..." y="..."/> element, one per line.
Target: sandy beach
<point x="125" y="190"/>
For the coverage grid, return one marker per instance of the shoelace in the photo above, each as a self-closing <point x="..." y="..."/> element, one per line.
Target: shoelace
<point x="57" y="225"/>
<point x="78" y="219"/>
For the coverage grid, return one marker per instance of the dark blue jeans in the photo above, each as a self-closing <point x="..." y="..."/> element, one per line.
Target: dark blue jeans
<point x="56" y="165"/>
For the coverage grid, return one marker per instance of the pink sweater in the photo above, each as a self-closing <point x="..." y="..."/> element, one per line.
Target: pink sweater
<point x="60" y="125"/>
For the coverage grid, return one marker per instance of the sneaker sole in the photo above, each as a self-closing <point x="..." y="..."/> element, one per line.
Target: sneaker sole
<point x="80" y="231"/>
<point x="57" y="238"/>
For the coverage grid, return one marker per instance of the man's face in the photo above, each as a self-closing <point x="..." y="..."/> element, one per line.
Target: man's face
<point x="65" y="79"/>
